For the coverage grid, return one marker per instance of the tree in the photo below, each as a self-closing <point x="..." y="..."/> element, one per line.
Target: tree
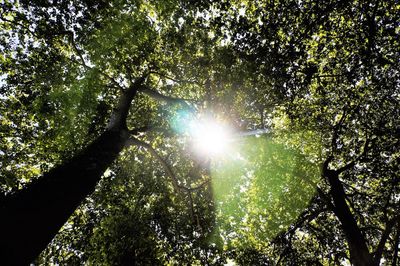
<point x="86" y="65"/>
<point x="334" y="63"/>
<point x="322" y="76"/>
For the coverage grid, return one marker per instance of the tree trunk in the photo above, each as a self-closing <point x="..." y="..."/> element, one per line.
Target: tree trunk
<point x="359" y="254"/>
<point x="32" y="217"/>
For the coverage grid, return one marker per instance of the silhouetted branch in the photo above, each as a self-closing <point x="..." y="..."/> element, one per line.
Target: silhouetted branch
<point x="385" y="235"/>
<point x="118" y="86"/>
<point x="21" y="25"/>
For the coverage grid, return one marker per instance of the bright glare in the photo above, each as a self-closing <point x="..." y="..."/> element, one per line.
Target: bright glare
<point x="210" y="138"/>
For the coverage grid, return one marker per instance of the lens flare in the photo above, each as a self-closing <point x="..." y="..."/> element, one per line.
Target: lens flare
<point x="209" y="137"/>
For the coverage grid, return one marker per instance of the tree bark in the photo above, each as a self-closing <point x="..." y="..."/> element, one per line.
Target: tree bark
<point x="32" y="217"/>
<point x="359" y="253"/>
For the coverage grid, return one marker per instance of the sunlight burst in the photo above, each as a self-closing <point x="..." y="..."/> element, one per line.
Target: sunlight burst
<point x="209" y="137"/>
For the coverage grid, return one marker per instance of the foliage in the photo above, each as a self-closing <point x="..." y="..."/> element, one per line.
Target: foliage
<point x="260" y="192"/>
<point x="321" y="76"/>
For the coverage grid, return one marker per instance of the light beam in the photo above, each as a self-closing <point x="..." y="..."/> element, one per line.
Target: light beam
<point x="209" y="137"/>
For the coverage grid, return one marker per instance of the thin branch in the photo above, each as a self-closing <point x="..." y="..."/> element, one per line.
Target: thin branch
<point x="318" y="188"/>
<point x="328" y="76"/>
<point x="306" y="218"/>
<point x="164" y="98"/>
<point x="191" y="205"/>
<point x="139" y="130"/>
<point x="21" y="25"/>
<point x="118" y="86"/>
<point x="385" y="235"/>
<point x="70" y="34"/>
<point x="83" y="63"/>
<point x="168" y="170"/>
<point x="191" y="189"/>
<point x="74" y="45"/>
<point x="336" y="129"/>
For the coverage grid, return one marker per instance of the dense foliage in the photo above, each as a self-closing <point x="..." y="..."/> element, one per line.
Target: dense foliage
<point x="309" y="89"/>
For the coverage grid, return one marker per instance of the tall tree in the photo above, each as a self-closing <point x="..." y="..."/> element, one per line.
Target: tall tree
<point x="97" y="82"/>
<point x="334" y="63"/>
<point x="78" y="66"/>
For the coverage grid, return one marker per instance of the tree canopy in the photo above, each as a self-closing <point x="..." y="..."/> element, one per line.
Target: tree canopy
<point x="144" y="132"/>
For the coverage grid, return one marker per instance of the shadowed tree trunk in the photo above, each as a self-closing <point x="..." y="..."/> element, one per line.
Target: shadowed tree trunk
<point x="359" y="253"/>
<point x="32" y="217"/>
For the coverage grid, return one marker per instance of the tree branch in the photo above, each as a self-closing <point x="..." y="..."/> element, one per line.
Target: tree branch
<point x="74" y="45"/>
<point x="359" y="253"/>
<point x="82" y="61"/>
<point x="21" y="25"/>
<point x="118" y="86"/>
<point x="120" y="113"/>
<point x="152" y="128"/>
<point x="385" y="235"/>
<point x="336" y="129"/>
<point x="167" y="168"/>
<point x="167" y="99"/>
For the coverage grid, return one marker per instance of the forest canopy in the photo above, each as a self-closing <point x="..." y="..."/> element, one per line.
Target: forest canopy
<point x="180" y="132"/>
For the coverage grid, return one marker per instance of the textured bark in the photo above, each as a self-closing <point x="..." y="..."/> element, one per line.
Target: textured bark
<point x="359" y="254"/>
<point x="32" y="217"/>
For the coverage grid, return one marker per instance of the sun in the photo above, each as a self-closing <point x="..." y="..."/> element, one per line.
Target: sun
<point x="209" y="137"/>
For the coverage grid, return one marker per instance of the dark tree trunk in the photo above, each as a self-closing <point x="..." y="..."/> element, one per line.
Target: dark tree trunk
<point x="32" y="217"/>
<point x="359" y="254"/>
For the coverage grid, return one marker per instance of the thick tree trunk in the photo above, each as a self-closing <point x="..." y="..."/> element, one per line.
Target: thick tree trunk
<point x="359" y="254"/>
<point x="33" y="216"/>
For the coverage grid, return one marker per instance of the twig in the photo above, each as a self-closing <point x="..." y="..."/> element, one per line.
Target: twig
<point x="152" y="128"/>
